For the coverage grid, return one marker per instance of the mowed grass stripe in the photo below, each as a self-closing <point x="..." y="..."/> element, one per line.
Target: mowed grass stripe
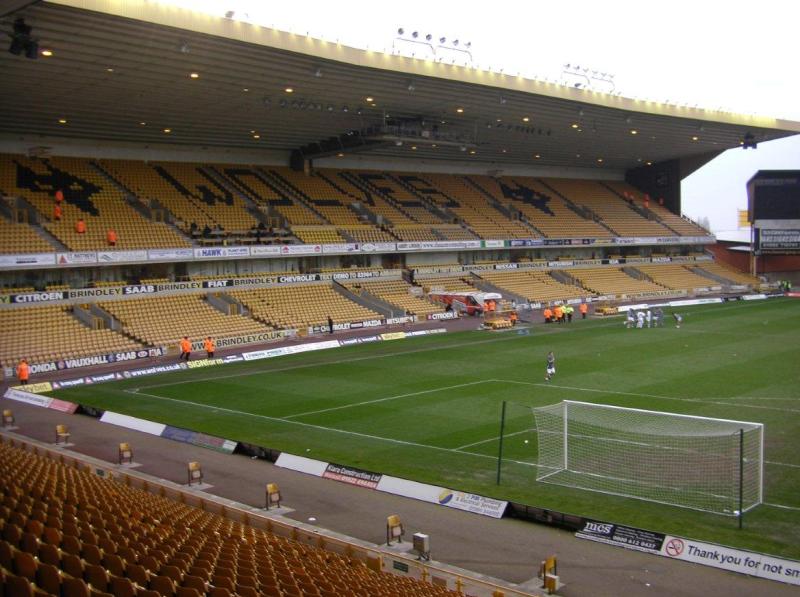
<point x="732" y="351"/>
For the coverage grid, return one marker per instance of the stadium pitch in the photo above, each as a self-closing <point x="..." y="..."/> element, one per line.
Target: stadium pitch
<point x="428" y="408"/>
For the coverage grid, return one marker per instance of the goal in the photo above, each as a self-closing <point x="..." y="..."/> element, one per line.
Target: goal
<point x="715" y="465"/>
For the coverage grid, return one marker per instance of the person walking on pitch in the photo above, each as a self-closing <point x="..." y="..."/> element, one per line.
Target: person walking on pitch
<point x="551" y="366"/>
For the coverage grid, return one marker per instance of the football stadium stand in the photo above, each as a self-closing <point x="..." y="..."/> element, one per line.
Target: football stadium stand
<point x="301" y="306"/>
<point x="607" y="281"/>
<point x="541" y="207"/>
<point x="676" y="277"/>
<point x="88" y="195"/>
<point x="397" y="293"/>
<point x="67" y="531"/>
<point x="163" y="321"/>
<point x="715" y="268"/>
<point x="535" y="286"/>
<point x="446" y="283"/>
<point x="46" y="334"/>
<point x="186" y="190"/>
<point x="21" y="238"/>
<point x="613" y="211"/>
<point x="680" y="225"/>
<point x="471" y="207"/>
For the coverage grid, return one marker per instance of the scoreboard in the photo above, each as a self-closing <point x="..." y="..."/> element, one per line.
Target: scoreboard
<point x="773" y="204"/>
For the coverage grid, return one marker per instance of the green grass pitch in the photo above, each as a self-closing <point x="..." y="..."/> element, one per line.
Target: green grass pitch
<point x="428" y="408"/>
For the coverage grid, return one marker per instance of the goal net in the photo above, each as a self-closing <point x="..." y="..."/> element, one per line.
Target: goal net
<point x="714" y="465"/>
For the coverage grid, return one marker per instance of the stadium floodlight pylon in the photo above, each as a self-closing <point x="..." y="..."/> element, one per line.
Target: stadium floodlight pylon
<point x="713" y="465"/>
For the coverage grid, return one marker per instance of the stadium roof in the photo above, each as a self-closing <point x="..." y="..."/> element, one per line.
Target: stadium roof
<point x="122" y="71"/>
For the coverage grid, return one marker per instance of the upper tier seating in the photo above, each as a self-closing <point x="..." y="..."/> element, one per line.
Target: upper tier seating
<point x="301" y="306"/>
<point x="607" y="281"/>
<point x="21" y="238"/>
<point x="615" y="212"/>
<point x="680" y="225"/>
<point x="674" y="276"/>
<point x="396" y="292"/>
<point x="371" y="200"/>
<point x="366" y="234"/>
<point x="44" y="334"/>
<point x="326" y="199"/>
<point x="535" y="286"/>
<point x="186" y="190"/>
<point x="70" y="532"/>
<point x="385" y="185"/>
<point x="87" y="195"/>
<point x="313" y="235"/>
<point x="163" y="321"/>
<point x="473" y="208"/>
<point x="541" y="207"/>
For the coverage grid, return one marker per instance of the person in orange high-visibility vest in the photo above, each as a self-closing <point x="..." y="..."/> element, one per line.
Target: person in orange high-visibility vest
<point x="209" y="345"/>
<point x="548" y="314"/>
<point x="186" y="349"/>
<point x="111" y="237"/>
<point x="80" y="226"/>
<point x="23" y="372"/>
<point x="584" y="309"/>
<point x="59" y="196"/>
<point x="559" y="313"/>
<point x="513" y="318"/>
<point x="57" y="212"/>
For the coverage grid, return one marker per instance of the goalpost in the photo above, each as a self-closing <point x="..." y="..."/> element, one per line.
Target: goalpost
<point x="714" y="465"/>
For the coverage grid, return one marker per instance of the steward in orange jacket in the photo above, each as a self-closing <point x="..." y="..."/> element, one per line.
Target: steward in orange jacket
<point x="209" y="345"/>
<point x="584" y="309"/>
<point x="23" y="372"/>
<point x="186" y="349"/>
<point x="548" y="314"/>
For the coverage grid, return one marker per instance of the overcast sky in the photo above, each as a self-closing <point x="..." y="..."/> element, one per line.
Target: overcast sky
<point x="731" y="54"/>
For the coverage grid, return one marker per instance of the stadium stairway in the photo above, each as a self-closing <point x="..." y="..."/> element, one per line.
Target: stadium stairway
<point x="581" y="210"/>
<point x="369" y="301"/>
<point x="252" y="207"/>
<point x="512" y="214"/>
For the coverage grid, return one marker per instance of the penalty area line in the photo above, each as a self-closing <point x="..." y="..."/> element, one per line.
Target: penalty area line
<point x="378" y="400"/>
<point x="322" y="428"/>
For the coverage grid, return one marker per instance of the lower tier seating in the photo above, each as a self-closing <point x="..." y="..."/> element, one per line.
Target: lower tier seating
<point x="44" y="334"/>
<point x="67" y="531"/>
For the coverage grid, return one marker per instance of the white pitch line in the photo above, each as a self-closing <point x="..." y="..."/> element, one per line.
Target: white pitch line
<point x="322" y="428"/>
<point x="639" y="395"/>
<point x="356" y="433"/>
<point x="782" y="507"/>
<point x="335" y="362"/>
<point x="491" y="439"/>
<point x="782" y="464"/>
<point x="539" y="334"/>
<point x="377" y="400"/>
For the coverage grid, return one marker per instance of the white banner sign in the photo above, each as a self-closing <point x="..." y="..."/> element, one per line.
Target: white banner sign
<point x="735" y="560"/>
<point x="169" y="254"/>
<point x="378" y="247"/>
<point x="28" y="259"/>
<point x="268" y="250"/>
<point x="132" y="423"/>
<point x="340" y="248"/>
<point x="121" y="256"/>
<point x="221" y="252"/>
<point x="444" y="497"/>
<point x="301" y="464"/>
<point x="27" y="397"/>
<point x="72" y="258"/>
<point x="301" y="249"/>
<point x="493" y="244"/>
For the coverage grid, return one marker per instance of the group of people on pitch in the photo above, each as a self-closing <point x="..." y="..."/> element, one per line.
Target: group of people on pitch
<point x="563" y="313"/>
<point x="649" y="318"/>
